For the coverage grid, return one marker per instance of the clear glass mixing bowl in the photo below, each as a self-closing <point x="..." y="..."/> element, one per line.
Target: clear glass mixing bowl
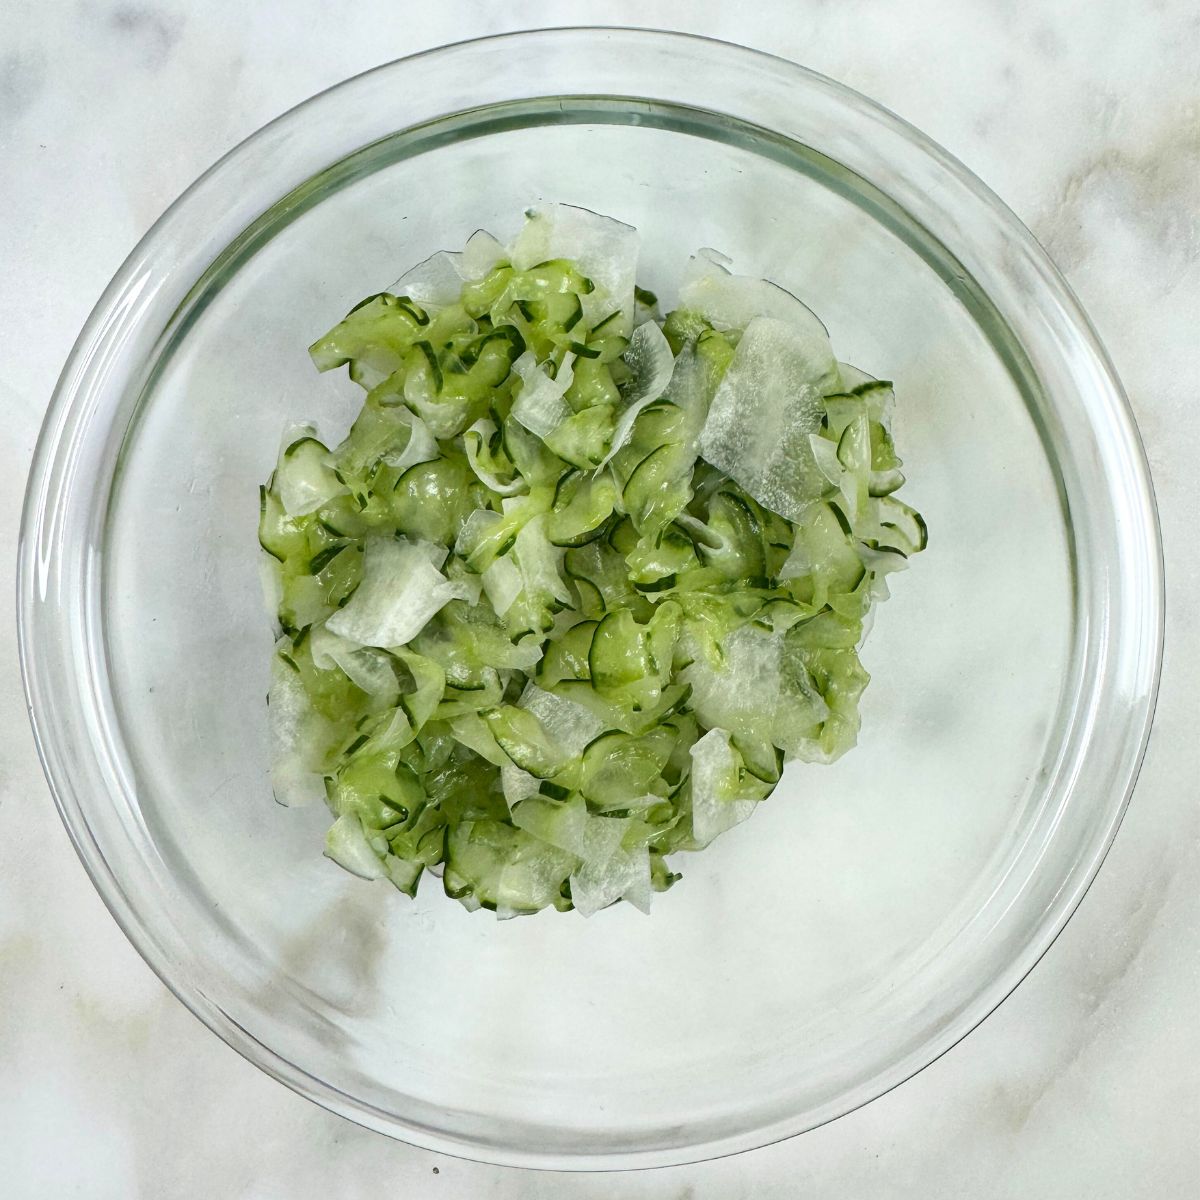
<point x="872" y="912"/>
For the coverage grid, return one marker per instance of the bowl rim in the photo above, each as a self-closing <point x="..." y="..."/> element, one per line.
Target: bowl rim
<point x="55" y="458"/>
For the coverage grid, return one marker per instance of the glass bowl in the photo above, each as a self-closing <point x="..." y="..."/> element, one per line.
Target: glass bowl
<point x="873" y="911"/>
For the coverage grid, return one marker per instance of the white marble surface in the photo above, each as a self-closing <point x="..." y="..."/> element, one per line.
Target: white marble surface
<point x="1085" y="116"/>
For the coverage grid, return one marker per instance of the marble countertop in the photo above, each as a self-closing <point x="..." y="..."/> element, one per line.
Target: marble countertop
<point x="1086" y="119"/>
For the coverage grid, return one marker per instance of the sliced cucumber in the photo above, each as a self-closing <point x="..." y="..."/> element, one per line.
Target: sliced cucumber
<point x="581" y="438"/>
<point x="304" y="479"/>
<point x="521" y="736"/>
<point x="566" y="656"/>
<point x="582" y="507"/>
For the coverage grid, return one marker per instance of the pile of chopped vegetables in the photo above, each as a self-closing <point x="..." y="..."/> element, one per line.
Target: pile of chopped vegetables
<point x="579" y="580"/>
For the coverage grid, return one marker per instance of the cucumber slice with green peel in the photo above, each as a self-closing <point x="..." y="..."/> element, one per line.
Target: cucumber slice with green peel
<point x="570" y="726"/>
<point x="484" y="446"/>
<point x="658" y="425"/>
<point x="658" y="490"/>
<point x="540" y="405"/>
<point x="314" y="589"/>
<point x="405" y="875"/>
<point x="840" y="410"/>
<point x="622" y="667"/>
<point x="536" y="464"/>
<point x="605" y="250"/>
<point x="884" y="483"/>
<point x="623" y="716"/>
<point x="566" y="657"/>
<point x="651" y="365"/>
<point x="521" y="736"/>
<point x="824" y="558"/>
<point x="597" y="564"/>
<point x="841" y="680"/>
<point x="623" y="537"/>
<point x="589" y="600"/>
<point x="479" y="697"/>
<point x="279" y="535"/>
<point x="503" y="868"/>
<point x="373" y="340"/>
<point x="620" y="771"/>
<point x="662" y="636"/>
<point x="893" y="525"/>
<point x="432" y="500"/>
<point x="380" y="791"/>
<point x="583" y="505"/>
<point x="422" y="685"/>
<point x="660" y="558"/>
<point x="592" y="383"/>
<point x="723" y="794"/>
<point x="760" y="757"/>
<point x="543" y="592"/>
<point x="468" y="641"/>
<point x="300" y="733"/>
<point x="580" y="439"/>
<point x="351" y="847"/>
<point x="384" y="432"/>
<point x="735" y="546"/>
<point x="847" y="464"/>
<point x="854" y="448"/>
<point x="569" y="825"/>
<point x="304" y="480"/>
<point x="579" y="578"/>
<point x="486" y="534"/>
<point x="605" y="348"/>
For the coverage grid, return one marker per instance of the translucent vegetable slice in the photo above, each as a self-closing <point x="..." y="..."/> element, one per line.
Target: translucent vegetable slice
<point x="729" y="301"/>
<point x="299" y="735"/>
<point x="567" y="723"/>
<point x="720" y="799"/>
<point x="434" y="283"/>
<point x="624" y="876"/>
<point x="303" y="477"/>
<point x="605" y="250"/>
<point x="651" y="362"/>
<point x="759" y="686"/>
<point x="540" y="405"/>
<point x="401" y="590"/>
<point x="763" y="414"/>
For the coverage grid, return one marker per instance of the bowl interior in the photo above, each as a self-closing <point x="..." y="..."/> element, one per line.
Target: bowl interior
<point x="809" y="951"/>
